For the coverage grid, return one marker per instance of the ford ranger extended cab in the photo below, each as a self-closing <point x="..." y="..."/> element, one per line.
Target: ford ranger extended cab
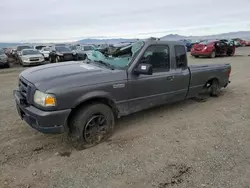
<point x="84" y="98"/>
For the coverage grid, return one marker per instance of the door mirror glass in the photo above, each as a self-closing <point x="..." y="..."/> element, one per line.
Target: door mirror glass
<point x="144" y="68"/>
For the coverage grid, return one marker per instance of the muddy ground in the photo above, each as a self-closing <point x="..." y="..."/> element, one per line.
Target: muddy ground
<point x="188" y="144"/>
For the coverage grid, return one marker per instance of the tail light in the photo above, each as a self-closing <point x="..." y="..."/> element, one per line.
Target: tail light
<point x="230" y="70"/>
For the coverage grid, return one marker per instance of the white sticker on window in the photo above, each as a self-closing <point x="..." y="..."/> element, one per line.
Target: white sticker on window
<point x="143" y="67"/>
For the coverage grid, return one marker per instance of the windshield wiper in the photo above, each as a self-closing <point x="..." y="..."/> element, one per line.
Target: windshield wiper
<point x="106" y="64"/>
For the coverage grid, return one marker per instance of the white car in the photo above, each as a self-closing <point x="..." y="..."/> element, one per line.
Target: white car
<point x="31" y="57"/>
<point x="45" y="51"/>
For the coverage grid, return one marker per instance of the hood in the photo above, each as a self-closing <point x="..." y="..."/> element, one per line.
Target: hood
<point x="69" y="75"/>
<point x="32" y="55"/>
<point x="65" y="52"/>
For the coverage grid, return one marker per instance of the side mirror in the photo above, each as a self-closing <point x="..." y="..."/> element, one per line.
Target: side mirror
<point x="144" y="68"/>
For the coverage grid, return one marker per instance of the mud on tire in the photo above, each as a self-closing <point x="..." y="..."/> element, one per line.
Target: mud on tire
<point x="91" y="125"/>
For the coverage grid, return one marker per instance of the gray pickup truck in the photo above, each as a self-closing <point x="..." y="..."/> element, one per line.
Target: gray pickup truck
<point x="85" y="98"/>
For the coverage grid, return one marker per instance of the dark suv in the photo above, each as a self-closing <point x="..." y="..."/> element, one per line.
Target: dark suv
<point x="61" y="53"/>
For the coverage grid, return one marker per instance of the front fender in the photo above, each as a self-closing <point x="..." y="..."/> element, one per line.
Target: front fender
<point x="93" y="95"/>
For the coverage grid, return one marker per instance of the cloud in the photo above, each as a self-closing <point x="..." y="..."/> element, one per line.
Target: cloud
<point x="63" y="20"/>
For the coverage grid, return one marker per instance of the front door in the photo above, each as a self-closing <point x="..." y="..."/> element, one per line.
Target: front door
<point x="151" y="90"/>
<point x="223" y="48"/>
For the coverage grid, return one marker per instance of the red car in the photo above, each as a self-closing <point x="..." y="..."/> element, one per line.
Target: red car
<point x="248" y="42"/>
<point x="213" y="48"/>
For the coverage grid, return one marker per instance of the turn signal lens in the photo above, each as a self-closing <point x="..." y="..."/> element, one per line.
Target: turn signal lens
<point x="50" y="101"/>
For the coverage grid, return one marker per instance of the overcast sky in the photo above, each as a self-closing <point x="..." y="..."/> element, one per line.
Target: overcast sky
<point x="64" y="20"/>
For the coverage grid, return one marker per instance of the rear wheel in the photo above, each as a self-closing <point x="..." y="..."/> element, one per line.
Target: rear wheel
<point x="91" y="125"/>
<point x="215" y="88"/>
<point x="196" y="56"/>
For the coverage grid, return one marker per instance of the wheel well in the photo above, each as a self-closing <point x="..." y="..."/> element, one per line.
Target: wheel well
<point x="210" y="81"/>
<point x="102" y="100"/>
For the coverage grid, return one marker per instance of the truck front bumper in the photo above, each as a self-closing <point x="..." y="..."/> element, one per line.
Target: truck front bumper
<point x="47" y="122"/>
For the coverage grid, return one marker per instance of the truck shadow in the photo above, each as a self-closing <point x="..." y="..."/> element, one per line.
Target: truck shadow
<point x="142" y="117"/>
<point x="155" y="112"/>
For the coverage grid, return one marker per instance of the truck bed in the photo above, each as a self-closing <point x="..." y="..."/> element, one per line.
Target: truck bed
<point x="201" y="74"/>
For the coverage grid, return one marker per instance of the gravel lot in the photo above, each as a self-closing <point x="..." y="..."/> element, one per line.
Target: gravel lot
<point x="188" y="144"/>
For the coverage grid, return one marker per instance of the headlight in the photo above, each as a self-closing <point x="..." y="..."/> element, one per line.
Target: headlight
<point x="44" y="99"/>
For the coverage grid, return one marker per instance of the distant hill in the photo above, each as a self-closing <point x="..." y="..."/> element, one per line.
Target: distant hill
<point x="171" y="37"/>
<point x="238" y="34"/>
<point x="105" y="41"/>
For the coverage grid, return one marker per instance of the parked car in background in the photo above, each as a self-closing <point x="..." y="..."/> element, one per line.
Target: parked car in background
<point x="19" y="49"/>
<point x="3" y="60"/>
<point x="62" y="44"/>
<point x="82" y="51"/>
<point x="61" y="53"/>
<point x="247" y="42"/>
<point x="31" y="57"/>
<point x="39" y="47"/>
<point x="45" y="51"/>
<point x="188" y="44"/>
<point x="239" y="42"/>
<point x="213" y="48"/>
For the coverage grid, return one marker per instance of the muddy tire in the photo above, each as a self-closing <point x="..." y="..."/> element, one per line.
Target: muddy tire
<point x="215" y="88"/>
<point x="91" y="125"/>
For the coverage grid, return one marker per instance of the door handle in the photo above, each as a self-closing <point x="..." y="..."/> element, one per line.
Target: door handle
<point x="170" y="78"/>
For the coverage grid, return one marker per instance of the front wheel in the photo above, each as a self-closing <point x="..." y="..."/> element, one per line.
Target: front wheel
<point x="51" y="59"/>
<point x="57" y="59"/>
<point x="91" y="125"/>
<point x="213" y="54"/>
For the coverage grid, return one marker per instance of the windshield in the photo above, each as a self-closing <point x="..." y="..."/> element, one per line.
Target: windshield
<point x="46" y="49"/>
<point x="116" y="60"/>
<point x="39" y="47"/>
<point x="88" y="48"/>
<point x="62" y="49"/>
<point x="30" y="52"/>
<point x="72" y="47"/>
<point x="20" y="48"/>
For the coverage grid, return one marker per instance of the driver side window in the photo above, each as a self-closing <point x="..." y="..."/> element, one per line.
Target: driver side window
<point x="158" y="57"/>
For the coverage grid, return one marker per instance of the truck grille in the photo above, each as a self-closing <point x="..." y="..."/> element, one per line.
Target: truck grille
<point x="24" y="88"/>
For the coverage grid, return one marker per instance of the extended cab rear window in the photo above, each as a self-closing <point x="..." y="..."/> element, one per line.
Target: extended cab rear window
<point x="180" y="56"/>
